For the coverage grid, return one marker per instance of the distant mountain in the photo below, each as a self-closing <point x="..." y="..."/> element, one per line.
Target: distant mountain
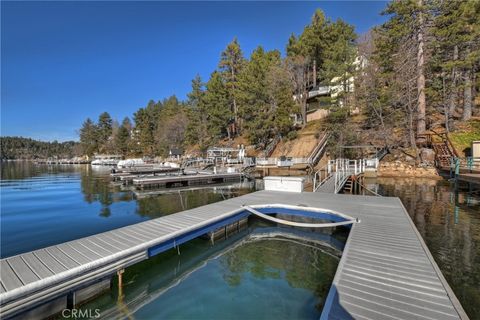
<point x="26" y="148"/>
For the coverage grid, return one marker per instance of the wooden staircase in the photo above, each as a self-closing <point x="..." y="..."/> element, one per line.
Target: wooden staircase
<point x="444" y="150"/>
<point x="443" y="154"/>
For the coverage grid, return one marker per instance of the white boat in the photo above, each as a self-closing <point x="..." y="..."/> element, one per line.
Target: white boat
<point x="128" y="163"/>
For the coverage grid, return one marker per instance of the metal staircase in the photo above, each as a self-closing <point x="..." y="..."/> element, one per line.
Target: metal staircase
<point x="333" y="177"/>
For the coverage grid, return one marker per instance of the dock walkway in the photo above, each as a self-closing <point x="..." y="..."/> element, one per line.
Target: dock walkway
<point x="185" y="180"/>
<point x="386" y="270"/>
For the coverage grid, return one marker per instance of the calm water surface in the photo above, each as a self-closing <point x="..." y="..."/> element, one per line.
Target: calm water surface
<point x="44" y="205"/>
<point x="263" y="272"/>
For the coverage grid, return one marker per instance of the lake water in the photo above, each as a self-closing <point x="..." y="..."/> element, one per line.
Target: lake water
<point x="263" y="272"/>
<point x="45" y="205"/>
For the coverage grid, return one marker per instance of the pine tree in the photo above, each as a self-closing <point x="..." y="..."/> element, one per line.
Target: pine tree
<point x="456" y="52"/>
<point x="280" y="88"/>
<point x="400" y="56"/>
<point x="105" y="126"/>
<point x="122" y="137"/>
<point x="231" y="64"/>
<point x="217" y="107"/>
<point x="340" y="53"/>
<point x="171" y="126"/>
<point x="143" y="131"/>
<point x="89" y="137"/>
<point x="196" y="132"/>
<point x="265" y="97"/>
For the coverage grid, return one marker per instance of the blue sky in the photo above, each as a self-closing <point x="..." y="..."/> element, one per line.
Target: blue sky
<point x="62" y="62"/>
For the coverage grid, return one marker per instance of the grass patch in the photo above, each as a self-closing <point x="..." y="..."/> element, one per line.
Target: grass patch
<point x="463" y="137"/>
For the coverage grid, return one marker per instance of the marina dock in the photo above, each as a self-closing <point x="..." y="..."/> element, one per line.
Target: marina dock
<point x="386" y="270"/>
<point x="185" y="180"/>
<point x="143" y="170"/>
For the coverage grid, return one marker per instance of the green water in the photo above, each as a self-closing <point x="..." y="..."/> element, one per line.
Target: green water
<point x="263" y="272"/>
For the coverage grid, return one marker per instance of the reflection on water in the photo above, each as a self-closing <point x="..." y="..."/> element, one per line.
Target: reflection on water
<point x="43" y="205"/>
<point x="448" y="218"/>
<point x="263" y="272"/>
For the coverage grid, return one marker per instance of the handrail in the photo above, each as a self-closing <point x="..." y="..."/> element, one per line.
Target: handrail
<point x="269" y="149"/>
<point x="318" y="173"/>
<point x="322" y="143"/>
<point x="340" y="170"/>
<point x="298" y="224"/>
<point x="446" y="140"/>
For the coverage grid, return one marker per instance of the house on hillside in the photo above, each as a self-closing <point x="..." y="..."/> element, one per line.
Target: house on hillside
<point x="320" y="96"/>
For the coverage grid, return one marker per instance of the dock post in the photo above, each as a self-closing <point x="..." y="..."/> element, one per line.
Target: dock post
<point x="120" y="283"/>
<point x="71" y="300"/>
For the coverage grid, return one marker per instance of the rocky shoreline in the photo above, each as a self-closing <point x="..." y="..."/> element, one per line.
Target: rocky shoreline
<point x="402" y="169"/>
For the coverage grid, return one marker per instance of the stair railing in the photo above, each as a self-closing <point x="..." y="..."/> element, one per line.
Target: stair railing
<point x="318" y="150"/>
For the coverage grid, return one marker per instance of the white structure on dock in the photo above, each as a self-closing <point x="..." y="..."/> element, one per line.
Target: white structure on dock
<point x="106" y="159"/>
<point x="290" y="184"/>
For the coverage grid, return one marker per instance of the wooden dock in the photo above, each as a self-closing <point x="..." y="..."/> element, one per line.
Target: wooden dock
<point x="185" y="180"/>
<point x="386" y="270"/>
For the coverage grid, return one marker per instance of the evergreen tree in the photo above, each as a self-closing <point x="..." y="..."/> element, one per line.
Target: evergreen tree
<point x="280" y="88"/>
<point x="105" y="128"/>
<point x="171" y="126"/>
<point x="455" y="59"/>
<point x="122" y="137"/>
<point x="231" y="64"/>
<point x="89" y="137"/>
<point x="143" y="131"/>
<point x="217" y="107"/>
<point x="339" y="57"/>
<point x="196" y="132"/>
<point x="292" y="46"/>
<point x="265" y="97"/>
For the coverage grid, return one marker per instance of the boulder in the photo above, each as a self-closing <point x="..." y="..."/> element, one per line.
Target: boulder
<point x="427" y="155"/>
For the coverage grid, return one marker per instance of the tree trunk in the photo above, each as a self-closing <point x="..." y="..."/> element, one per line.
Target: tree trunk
<point x="446" y="109"/>
<point x="421" y="126"/>
<point x="304" y="109"/>
<point x="235" y="118"/>
<point x="453" y="85"/>
<point x="235" y="110"/>
<point x="467" y="97"/>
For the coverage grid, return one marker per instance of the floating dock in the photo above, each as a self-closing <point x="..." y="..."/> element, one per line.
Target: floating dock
<point x="185" y="180"/>
<point x="143" y="170"/>
<point x="386" y="270"/>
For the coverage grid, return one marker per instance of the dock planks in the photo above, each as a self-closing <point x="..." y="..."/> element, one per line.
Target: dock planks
<point x="386" y="270"/>
<point x="185" y="180"/>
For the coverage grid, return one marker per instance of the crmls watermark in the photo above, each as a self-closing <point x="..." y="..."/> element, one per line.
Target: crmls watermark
<point x="81" y="314"/>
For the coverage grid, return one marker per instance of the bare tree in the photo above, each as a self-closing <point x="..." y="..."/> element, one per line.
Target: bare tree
<point x="298" y="68"/>
<point x="421" y="124"/>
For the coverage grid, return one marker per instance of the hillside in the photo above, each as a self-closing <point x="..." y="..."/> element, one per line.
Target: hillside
<point x="302" y="145"/>
<point x="26" y="148"/>
<point x="464" y="134"/>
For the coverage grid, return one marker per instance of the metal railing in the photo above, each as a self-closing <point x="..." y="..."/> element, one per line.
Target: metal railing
<point x="340" y="170"/>
<point x="289" y="161"/>
<point x="318" y="150"/>
<point x="271" y="146"/>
